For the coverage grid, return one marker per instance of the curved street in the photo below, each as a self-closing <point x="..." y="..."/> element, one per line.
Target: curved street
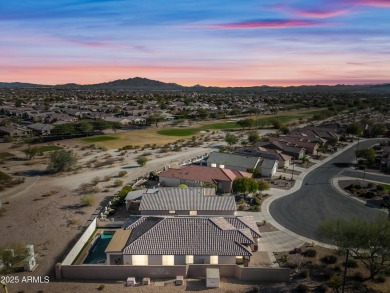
<point x="302" y="211"/>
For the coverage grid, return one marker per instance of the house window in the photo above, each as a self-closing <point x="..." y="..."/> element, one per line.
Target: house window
<point x="213" y="165"/>
<point x="189" y="259"/>
<point x="168" y="260"/>
<point x="214" y="259"/>
<point x="222" y="166"/>
<point x="139" y="260"/>
<point x="172" y="212"/>
<point x="193" y="213"/>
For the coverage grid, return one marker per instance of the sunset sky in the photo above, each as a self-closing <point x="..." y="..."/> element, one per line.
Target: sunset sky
<point x="222" y="43"/>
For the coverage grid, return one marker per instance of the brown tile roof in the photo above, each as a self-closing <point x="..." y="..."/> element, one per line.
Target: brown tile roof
<point x="203" y="174"/>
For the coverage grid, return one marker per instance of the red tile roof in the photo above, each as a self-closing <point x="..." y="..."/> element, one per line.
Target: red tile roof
<point x="204" y="174"/>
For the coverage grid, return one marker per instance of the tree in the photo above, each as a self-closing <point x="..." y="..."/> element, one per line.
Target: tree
<point x="31" y="152"/>
<point x="367" y="154"/>
<point x="253" y="137"/>
<point x="245" y="185"/>
<point x="246" y="123"/>
<point x="154" y="118"/>
<point x="368" y="241"/>
<point x="263" y="185"/>
<point x="142" y="160"/>
<point x="276" y="123"/>
<point x="85" y="127"/>
<point x="354" y="129"/>
<point x="284" y="130"/>
<point x="231" y="139"/>
<point x="61" y="161"/>
<point x="379" y="129"/>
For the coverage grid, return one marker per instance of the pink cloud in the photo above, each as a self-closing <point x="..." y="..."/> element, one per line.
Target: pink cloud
<point x="375" y="3"/>
<point x="270" y="24"/>
<point x="319" y="13"/>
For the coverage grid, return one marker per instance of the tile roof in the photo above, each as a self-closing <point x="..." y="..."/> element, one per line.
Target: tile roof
<point x="186" y="199"/>
<point x="189" y="236"/>
<point x="236" y="160"/>
<point x="203" y="174"/>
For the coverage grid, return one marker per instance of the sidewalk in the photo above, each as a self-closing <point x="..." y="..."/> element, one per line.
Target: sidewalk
<point x="284" y="239"/>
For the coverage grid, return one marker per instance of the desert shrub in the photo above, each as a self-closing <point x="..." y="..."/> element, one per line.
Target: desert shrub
<point x="95" y="180"/>
<point x="370" y="185"/>
<point x="335" y="282"/>
<point x="310" y="252"/>
<point x="101" y="287"/>
<point x="358" y="186"/>
<point x="122" y="173"/>
<point x="304" y="273"/>
<point x="284" y="258"/>
<point x="351" y="264"/>
<point x="125" y="190"/>
<point x="329" y="259"/>
<point x="88" y="188"/>
<point x="142" y="160"/>
<point x="106" y="178"/>
<point x="257" y="201"/>
<point x="337" y="268"/>
<point x="87" y="200"/>
<point x="241" y="207"/>
<point x="61" y="161"/>
<point x="118" y="183"/>
<point x="358" y="276"/>
<point x="302" y="288"/>
<point x="380" y="188"/>
<point x="369" y="194"/>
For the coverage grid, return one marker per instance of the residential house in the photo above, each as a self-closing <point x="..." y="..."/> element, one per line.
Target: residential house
<point x="151" y="240"/>
<point x="183" y="201"/>
<point x="309" y="146"/>
<point x="232" y="161"/>
<point x="15" y="130"/>
<point x="197" y="176"/>
<point x="289" y="149"/>
<point x="41" y="128"/>
<point x="121" y="120"/>
<point x="284" y="161"/>
<point x="135" y="120"/>
<point x="243" y="163"/>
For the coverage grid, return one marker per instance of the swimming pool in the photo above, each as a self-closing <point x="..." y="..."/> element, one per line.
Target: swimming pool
<point x="96" y="254"/>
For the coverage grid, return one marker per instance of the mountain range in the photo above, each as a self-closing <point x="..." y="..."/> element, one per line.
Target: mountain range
<point x="139" y="83"/>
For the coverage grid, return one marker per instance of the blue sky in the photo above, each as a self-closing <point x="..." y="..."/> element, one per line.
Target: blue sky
<point x="196" y="42"/>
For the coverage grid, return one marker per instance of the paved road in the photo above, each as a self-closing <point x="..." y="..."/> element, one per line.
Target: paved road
<point x="303" y="210"/>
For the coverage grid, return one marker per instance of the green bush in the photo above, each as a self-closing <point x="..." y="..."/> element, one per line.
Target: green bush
<point x="124" y="191"/>
<point x="322" y="288"/>
<point x="380" y="188"/>
<point x="241" y="207"/>
<point x="380" y="279"/>
<point x="310" y="252"/>
<point x="101" y="287"/>
<point x="329" y="259"/>
<point x="304" y="273"/>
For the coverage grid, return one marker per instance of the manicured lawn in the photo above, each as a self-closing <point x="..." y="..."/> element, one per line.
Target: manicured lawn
<point x="6" y="155"/>
<point x="99" y="138"/>
<point x="221" y="125"/>
<point x="4" y="176"/>
<point x="387" y="187"/>
<point x="179" y="132"/>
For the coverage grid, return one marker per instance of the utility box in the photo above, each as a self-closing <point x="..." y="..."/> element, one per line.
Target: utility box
<point x="29" y="263"/>
<point x="146" y="281"/>
<point x="179" y="280"/>
<point x="130" y="281"/>
<point x="212" y="278"/>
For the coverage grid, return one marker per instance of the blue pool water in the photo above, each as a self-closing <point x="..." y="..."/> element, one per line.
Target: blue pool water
<point x="96" y="254"/>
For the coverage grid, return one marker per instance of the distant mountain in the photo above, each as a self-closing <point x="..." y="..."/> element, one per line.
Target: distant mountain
<point x="19" y="85"/>
<point x="138" y="83"/>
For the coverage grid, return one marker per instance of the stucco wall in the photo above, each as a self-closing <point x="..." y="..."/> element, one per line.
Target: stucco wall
<point x="70" y="258"/>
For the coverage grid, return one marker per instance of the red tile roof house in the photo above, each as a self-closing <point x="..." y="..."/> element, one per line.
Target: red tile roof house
<point x="196" y="176"/>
